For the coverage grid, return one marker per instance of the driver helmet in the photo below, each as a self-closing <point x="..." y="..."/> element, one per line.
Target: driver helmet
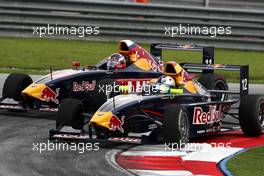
<point x="168" y="81"/>
<point x="115" y="60"/>
<point x="165" y="84"/>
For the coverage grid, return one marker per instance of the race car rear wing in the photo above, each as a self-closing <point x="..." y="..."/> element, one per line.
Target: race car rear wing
<point x="243" y="69"/>
<point x="207" y="65"/>
<point x="208" y="51"/>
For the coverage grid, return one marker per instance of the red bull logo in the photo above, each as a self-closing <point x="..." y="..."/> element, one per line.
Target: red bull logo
<point x="50" y="95"/>
<point x="185" y="77"/>
<point x="116" y="124"/>
<point x="142" y="53"/>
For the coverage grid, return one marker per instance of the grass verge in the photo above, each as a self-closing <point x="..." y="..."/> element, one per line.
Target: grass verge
<point x="248" y="163"/>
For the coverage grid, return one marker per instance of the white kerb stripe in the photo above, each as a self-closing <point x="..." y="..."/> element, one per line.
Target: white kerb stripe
<point x="154" y="153"/>
<point x="211" y="154"/>
<point x="160" y="173"/>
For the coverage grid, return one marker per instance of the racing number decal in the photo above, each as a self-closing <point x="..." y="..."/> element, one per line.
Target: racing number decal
<point x="209" y="61"/>
<point x="244" y="83"/>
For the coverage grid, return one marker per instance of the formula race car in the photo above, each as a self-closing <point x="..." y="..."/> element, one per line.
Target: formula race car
<point x="132" y="65"/>
<point x="172" y="109"/>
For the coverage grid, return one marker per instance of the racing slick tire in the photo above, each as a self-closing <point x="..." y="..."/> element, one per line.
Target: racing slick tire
<point x="213" y="81"/>
<point x="69" y="114"/>
<point x="14" y="84"/>
<point x="176" y="126"/>
<point x="251" y="114"/>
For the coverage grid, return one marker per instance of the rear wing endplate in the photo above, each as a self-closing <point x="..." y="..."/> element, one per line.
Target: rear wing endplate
<point x="243" y="69"/>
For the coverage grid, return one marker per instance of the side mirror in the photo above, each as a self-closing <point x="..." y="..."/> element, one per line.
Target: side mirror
<point x="76" y="64"/>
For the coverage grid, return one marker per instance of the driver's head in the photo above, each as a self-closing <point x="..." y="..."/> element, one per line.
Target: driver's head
<point x="168" y="81"/>
<point x="115" y="60"/>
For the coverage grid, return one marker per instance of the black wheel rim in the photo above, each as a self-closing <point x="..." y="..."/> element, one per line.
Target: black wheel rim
<point x="183" y="126"/>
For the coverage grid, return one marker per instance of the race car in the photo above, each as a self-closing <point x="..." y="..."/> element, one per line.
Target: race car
<point x="177" y="108"/>
<point x="131" y="65"/>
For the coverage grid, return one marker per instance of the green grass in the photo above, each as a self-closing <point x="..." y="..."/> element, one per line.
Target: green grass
<point x="248" y="163"/>
<point x="43" y="53"/>
<point x="37" y="55"/>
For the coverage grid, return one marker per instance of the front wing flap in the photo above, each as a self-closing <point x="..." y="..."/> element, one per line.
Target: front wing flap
<point x="84" y="137"/>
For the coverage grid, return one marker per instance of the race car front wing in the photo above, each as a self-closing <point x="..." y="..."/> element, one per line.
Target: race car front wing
<point x="80" y="136"/>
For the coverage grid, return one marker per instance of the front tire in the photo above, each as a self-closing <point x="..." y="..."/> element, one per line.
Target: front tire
<point x="70" y="114"/>
<point x="14" y="84"/>
<point x="251" y="115"/>
<point x="176" y="126"/>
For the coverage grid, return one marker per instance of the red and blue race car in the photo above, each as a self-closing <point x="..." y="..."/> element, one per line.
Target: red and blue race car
<point x="172" y="109"/>
<point x="131" y="65"/>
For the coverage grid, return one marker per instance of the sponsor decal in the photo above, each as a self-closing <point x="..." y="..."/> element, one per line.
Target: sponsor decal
<point x="49" y="109"/>
<point x="185" y="77"/>
<point x="124" y="139"/>
<point x="141" y="53"/>
<point x="200" y="131"/>
<point x="219" y="65"/>
<point x="17" y="107"/>
<point x="100" y="114"/>
<point x="49" y="95"/>
<point x="217" y="128"/>
<point x="154" y="65"/>
<point x="71" y="136"/>
<point x="85" y="86"/>
<point x="200" y="117"/>
<point x="134" y="85"/>
<point x="152" y="126"/>
<point x="116" y="124"/>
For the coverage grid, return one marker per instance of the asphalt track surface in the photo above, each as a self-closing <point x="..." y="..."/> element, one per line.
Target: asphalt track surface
<point x="18" y="132"/>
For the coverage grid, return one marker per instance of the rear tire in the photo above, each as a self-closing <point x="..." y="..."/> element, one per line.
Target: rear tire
<point x="176" y="126"/>
<point x="70" y="114"/>
<point x="251" y="114"/>
<point x="14" y="84"/>
<point x="213" y="81"/>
